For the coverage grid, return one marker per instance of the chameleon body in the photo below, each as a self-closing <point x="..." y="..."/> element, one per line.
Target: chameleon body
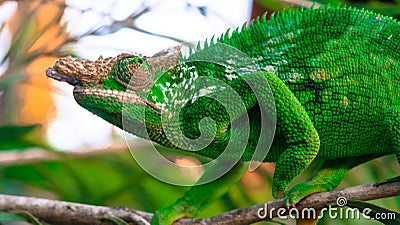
<point x="334" y="73"/>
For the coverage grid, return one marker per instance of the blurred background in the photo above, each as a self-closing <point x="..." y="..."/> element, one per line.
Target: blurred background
<point x="52" y="148"/>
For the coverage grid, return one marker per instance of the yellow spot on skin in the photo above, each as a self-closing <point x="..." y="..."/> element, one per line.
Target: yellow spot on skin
<point x="319" y="75"/>
<point x="344" y="102"/>
<point x="337" y="72"/>
<point x="289" y="36"/>
<point x="294" y="76"/>
<point x="327" y="94"/>
<point x="270" y="68"/>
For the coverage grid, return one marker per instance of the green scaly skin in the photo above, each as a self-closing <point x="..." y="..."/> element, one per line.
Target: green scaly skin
<point x="334" y="72"/>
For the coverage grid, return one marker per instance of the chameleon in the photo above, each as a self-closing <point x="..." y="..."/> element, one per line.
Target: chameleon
<point x="333" y="74"/>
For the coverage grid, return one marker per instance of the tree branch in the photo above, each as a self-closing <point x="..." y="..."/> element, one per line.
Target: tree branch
<point x="74" y="213"/>
<point x="60" y="212"/>
<point x="316" y="201"/>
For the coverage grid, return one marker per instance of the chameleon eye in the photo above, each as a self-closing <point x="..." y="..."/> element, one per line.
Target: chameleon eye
<point x="139" y="60"/>
<point x="126" y="72"/>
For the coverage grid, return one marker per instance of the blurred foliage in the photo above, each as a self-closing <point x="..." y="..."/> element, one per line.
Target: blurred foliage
<point x="38" y="37"/>
<point x="35" y="39"/>
<point x="20" y="137"/>
<point x="9" y="217"/>
<point x="108" y="179"/>
<point x="386" y="7"/>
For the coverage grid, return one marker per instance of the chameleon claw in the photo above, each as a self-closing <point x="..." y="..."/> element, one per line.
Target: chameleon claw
<point x="277" y="192"/>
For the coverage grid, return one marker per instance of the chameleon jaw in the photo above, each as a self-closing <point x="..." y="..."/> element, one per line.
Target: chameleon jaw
<point x="53" y="74"/>
<point x="120" y="96"/>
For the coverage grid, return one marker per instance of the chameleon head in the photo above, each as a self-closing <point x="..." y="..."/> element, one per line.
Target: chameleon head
<point x="100" y="86"/>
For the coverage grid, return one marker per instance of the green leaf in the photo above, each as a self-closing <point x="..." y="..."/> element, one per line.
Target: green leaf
<point x="383" y="215"/>
<point x="14" y="137"/>
<point x="31" y="218"/>
<point x="7" y="81"/>
<point x="25" y="39"/>
<point x="115" y="220"/>
<point x="112" y="179"/>
<point x="9" y="217"/>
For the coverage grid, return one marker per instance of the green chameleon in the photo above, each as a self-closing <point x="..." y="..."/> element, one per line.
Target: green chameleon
<point x="333" y="74"/>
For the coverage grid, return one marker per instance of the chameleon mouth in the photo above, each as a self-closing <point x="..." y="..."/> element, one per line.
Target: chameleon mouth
<point x="53" y="74"/>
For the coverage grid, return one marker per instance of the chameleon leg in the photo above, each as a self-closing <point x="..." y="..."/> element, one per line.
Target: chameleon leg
<point x="200" y="196"/>
<point x="327" y="176"/>
<point x="299" y="132"/>
<point x="393" y="122"/>
<point x="330" y="173"/>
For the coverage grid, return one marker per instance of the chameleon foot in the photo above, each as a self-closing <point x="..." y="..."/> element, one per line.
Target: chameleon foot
<point x="302" y="190"/>
<point x="169" y="214"/>
<point x="277" y="192"/>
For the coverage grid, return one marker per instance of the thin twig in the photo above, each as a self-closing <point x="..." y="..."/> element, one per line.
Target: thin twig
<point x="14" y="157"/>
